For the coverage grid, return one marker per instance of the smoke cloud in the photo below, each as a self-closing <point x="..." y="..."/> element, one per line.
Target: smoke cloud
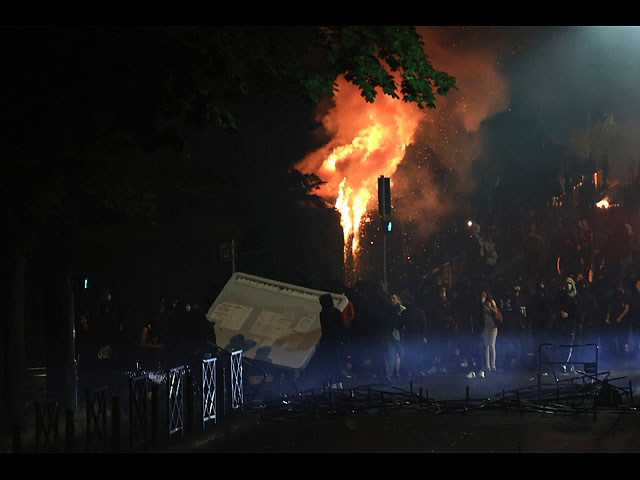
<point x="438" y="171"/>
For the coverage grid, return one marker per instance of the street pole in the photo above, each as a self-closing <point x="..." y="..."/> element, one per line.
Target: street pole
<point x="384" y="208"/>
<point x="384" y="253"/>
<point x="233" y="256"/>
<point x="72" y="370"/>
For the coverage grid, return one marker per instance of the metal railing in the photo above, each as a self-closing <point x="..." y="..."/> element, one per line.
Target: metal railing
<point x="138" y="412"/>
<point x="209" y="397"/>
<point x="146" y="427"/>
<point x="237" y="393"/>
<point x="47" y="421"/>
<point x="175" y="401"/>
<point x="96" y="411"/>
<point x="558" y="362"/>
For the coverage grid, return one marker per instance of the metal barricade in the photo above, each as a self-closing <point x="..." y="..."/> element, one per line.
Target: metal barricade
<point x="47" y="420"/>
<point x="138" y="412"/>
<point x="96" y="410"/>
<point x="237" y="393"/>
<point x="175" y="401"/>
<point x="562" y="360"/>
<point x="209" y="391"/>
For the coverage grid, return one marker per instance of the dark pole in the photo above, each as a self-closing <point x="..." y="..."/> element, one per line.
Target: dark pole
<point x="384" y="208"/>
<point x="155" y="415"/>
<point x="384" y="254"/>
<point x="115" y="424"/>
<point x="72" y="374"/>
<point x="233" y="256"/>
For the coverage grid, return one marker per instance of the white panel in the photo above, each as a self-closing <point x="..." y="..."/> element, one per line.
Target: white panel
<point x="269" y="321"/>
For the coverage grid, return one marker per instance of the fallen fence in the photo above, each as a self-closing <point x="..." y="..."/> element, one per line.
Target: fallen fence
<point x="594" y="393"/>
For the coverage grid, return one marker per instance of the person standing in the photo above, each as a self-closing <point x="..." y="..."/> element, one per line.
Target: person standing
<point x="617" y="321"/>
<point x="153" y="339"/>
<point x="492" y="320"/>
<point x="519" y="323"/>
<point x="490" y="255"/>
<point x="86" y="346"/>
<point x="569" y="315"/>
<point x="440" y="328"/>
<point x="108" y="329"/>
<point x="540" y="316"/>
<point x="591" y="313"/>
<point x="467" y="314"/>
<point x="507" y="344"/>
<point x="394" y="352"/>
<point x="414" y="335"/>
<point x="331" y="326"/>
<point x="634" y="316"/>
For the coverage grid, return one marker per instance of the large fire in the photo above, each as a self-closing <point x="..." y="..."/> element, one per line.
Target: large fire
<point x="358" y="186"/>
<point x="369" y="140"/>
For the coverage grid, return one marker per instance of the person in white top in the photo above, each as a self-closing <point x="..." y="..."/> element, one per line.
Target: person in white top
<point x="490" y="332"/>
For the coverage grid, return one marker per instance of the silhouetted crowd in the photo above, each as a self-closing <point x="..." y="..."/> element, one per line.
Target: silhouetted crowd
<point x="564" y="283"/>
<point x="567" y="285"/>
<point x="172" y="334"/>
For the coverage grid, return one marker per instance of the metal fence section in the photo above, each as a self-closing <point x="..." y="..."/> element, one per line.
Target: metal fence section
<point x="381" y="399"/>
<point x="138" y="412"/>
<point x="175" y="401"/>
<point x="47" y="420"/>
<point x="559" y="363"/>
<point x="96" y="410"/>
<point x="209" y="391"/>
<point x="237" y="393"/>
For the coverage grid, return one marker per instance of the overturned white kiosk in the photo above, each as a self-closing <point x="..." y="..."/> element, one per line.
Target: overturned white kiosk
<point x="271" y="322"/>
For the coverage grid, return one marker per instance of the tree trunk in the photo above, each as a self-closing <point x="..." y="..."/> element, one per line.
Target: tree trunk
<point x="59" y="318"/>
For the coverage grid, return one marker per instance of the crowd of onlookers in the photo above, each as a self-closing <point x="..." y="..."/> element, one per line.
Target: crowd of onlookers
<point x="565" y="284"/>
<point x="173" y="333"/>
<point x="565" y="280"/>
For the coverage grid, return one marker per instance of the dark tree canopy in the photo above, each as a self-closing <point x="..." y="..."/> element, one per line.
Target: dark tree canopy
<point x="78" y="96"/>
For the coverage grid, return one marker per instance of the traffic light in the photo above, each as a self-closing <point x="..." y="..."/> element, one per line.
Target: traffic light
<point x="388" y="226"/>
<point x="384" y="196"/>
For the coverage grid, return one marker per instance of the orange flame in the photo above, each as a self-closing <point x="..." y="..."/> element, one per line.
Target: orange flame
<point x="604" y="203"/>
<point x="371" y="139"/>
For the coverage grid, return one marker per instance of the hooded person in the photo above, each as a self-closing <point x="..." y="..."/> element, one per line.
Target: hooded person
<point x="568" y="308"/>
<point x="414" y="334"/>
<point x="569" y="315"/>
<point x="331" y="327"/>
<point x="514" y="309"/>
<point x="617" y="321"/>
